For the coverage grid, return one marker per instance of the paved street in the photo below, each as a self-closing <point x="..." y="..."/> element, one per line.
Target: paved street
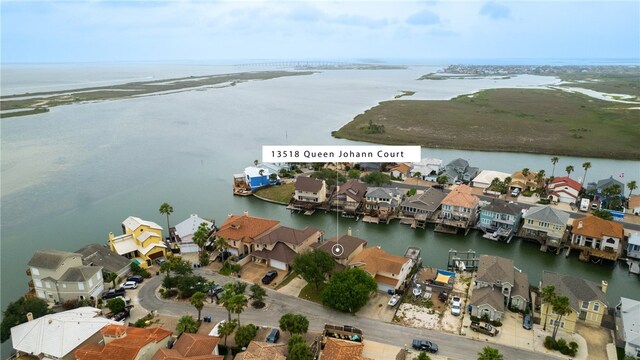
<point x="452" y="346"/>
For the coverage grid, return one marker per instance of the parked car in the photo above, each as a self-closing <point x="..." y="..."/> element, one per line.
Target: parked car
<point x="136" y="278"/>
<point x="484" y="328"/>
<point x="120" y="316"/>
<point x="112" y="293"/>
<point x="393" y="301"/>
<point x="526" y="322"/>
<point x="456" y="304"/>
<point x="161" y="261"/>
<point x="515" y="192"/>
<point x="424" y="345"/>
<point x="129" y="285"/>
<point x="269" y="276"/>
<point x="443" y="296"/>
<point x="273" y="336"/>
<point x="216" y="290"/>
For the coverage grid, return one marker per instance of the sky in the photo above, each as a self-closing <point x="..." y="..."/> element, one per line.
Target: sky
<point x="106" y="31"/>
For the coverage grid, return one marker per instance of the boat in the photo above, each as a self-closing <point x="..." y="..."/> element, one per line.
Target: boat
<point x="394" y="300"/>
<point x="417" y="291"/>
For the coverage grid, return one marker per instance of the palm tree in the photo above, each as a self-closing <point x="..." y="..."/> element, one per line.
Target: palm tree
<point x="111" y="277"/>
<point x="255" y="162"/>
<point x="561" y="307"/>
<point x="569" y="169"/>
<point x="187" y="324"/>
<point x="548" y="295"/>
<point x="417" y="175"/>
<point x="226" y="329"/>
<point x="197" y="300"/>
<point x="258" y="293"/>
<point x="554" y="161"/>
<point x="166" y="209"/>
<point x="220" y="244"/>
<point x="586" y="166"/>
<point x="239" y="302"/>
<point x="632" y="186"/>
<point x="490" y="353"/>
<point x="525" y="172"/>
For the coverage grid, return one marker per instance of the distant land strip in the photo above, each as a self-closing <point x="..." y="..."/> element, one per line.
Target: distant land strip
<point x="39" y="102"/>
<point x="536" y="121"/>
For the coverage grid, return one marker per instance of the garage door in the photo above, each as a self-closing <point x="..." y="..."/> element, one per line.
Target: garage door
<point x="278" y="265"/>
<point x="385" y="288"/>
<point x="566" y="199"/>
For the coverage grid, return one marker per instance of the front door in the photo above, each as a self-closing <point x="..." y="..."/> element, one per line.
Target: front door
<point x="583" y="315"/>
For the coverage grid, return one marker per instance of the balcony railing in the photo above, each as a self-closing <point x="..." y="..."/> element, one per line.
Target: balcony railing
<point x="31" y="284"/>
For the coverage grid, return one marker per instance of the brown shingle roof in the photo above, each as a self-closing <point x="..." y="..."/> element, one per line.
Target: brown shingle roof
<point x="489" y="296"/>
<point x="355" y="189"/>
<point x="375" y="260"/>
<point x="492" y="268"/>
<point x="308" y="184"/>
<point x="461" y="196"/>
<point x="287" y="235"/>
<point x="595" y="227"/>
<point x="336" y="349"/>
<point x="259" y="350"/>
<point x="280" y="252"/>
<point x="349" y="243"/>
<point x="402" y="168"/>
<point x="245" y="228"/>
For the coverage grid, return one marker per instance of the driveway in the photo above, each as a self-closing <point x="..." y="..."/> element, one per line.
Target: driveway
<point x="596" y="338"/>
<point x="253" y="273"/>
<point x="378" y="308"/>
<point x="294" y="287"/>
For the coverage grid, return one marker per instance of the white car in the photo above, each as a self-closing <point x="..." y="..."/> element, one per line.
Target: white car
<point x="129" y="285"/>
<point x="393" y="301"/>
<point x="456" y="305"/>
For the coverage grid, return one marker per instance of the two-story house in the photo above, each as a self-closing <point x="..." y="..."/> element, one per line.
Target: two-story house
<point x="183" y="233"/>
<point x="500" y="220"/>
<point x="521" y="182"/>
<point x="122" y="342"/>
<point x="459" y="170"/>
<point x="545" y="224"/>
<point x="351" y="246"/>
<point x="564" y="189"/>
<point x="597" y="237"/>
<point x="429" y="169"/>
<point x="383" y="202"/>
<point x="459" y="210"/>
<point x="309" y="192"/>
<point x="141" y="241"/>
<point x="350" y="197"/>
<point x="99" y="255"/>
<point x="600" y="195"/>
<point x="241" y="232"/>
<point x="498" y="285"/>
<point x="58" y="276"/>
<point x="628" y="310"/>
<point x="587" y="300"/>
<point x="422" y="206"/>
<point x="400" y="171"/>
<point x="389" y="271"/>
<point x="633" y="248"/>
<point x="278" y="247"/>
<point x="259" y="177"/>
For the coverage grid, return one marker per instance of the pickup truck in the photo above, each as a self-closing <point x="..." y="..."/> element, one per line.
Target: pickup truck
<point x="424" y="345"/>
<point x="484" y="328"/>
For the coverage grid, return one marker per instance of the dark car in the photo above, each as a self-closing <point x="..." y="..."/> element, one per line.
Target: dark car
<point x="222" y="256"/>
<point x="269" y="276"/>
<point x="526" y="322"/>
<point x="120" y="316"/>
<point x="443" y="296"/>
<point x="111" y="293"/>
<point x="215" y="290"/>
<point x="136" y="278"/>
<point x="424" y="345"/>
<point x="273" y="336"/>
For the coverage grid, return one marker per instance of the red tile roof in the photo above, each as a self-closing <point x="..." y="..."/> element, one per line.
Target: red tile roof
<point x="126" y="346"/>
<point x="245" y="228"/>
<point x="595" y="227"/>
<point x="191" y="347"/>
<point x="567" y="181"/>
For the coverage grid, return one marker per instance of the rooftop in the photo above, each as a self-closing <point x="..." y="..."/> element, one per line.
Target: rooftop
<point x="287" y="235"/>
<point x="245" y="228"/>
<point x="50" y="259"/>
<point x="576" y="289"/>
<point x="461" y="196"/>
<point x="308" y="184"/>
<point x="495" y="268"/>
<point x="595" y="227"/>
<point x="547" y="214"/>
<point x="258" y="350"/>
<point x="133" y="223"/>
<point x="375" y="260"/>
<point x="349" y="243"/>
<point x="98" y="255"/>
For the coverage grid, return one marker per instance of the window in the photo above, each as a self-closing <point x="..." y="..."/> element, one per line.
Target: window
<point x="47" y="285"/>
<point x="99" y="274"/>
<point x="596" y="306"/>
<point x="585" y="305"/>
<point x="64" y="286"/>
<point x="80" y="286"/>
<point x="38" y="283"/>
<point x="90" y="283"/>
<point x="35" y="271"/>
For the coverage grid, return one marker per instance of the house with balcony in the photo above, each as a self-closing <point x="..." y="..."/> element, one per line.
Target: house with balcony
<point x="564" y="189"/>
<point x="459" y="210"/>
<point x="459" y="171"/>
<point x="350" y="197"/>
<point x="523" y="182"/>
<point x="500" y="220"/>
<point x="100" y="255"/>
<point x="182" y="233"/>
<point x="422" y="206"/>
<point x="383" y="202"/>
<point x="240" y="232"/>
<point x="498" y="286"/>
<point x="429" y="169"/>
<point x="309" y="194"/>
<point x="546" y="225"/>
<point x="596" y="237"/>
<point x="389" y="271"/>
<point x="126" y="342"/>
<point x="351" y="247"/>
<point x="587" y="300"/>
<point x="141" y="241"/>
<point x="633" y="247"/>
<point x="628" y="314"/>
<point x="58" y="276"/>
<point x="278" y="247"/>
<point x="258" y="177"/>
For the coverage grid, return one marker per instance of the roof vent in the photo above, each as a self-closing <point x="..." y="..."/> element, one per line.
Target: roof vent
<point x="235" y="226"/>
<point x="580" y="225"/>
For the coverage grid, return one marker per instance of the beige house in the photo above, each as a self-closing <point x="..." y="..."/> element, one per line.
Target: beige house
<point x="58" y="276"/>
<point x="587" y="300"/>
<point x="459" y="209"/>
<point x="351" y="247"/>
<point x="241" y="232"/>
<point x="310" y="190"/>
<point x="389" y="271"/>
<point x="521" y="182"/>
<point x="191" y="346"/>
<point x="546" y="224"/>
<point x="141" y="241"/>
<point x="597" y="237"/>
<point x="278" y="247"/>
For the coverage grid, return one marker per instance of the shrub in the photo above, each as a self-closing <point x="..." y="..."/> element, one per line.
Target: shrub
<point x="573" y="348"/>
<point x="550" y="343"/>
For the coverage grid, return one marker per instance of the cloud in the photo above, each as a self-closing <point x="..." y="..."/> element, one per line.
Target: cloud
<point x="357" y="20"/>
<point x="424" y="17"/>
<point x="495" y="10"/>
<point x="306" y="13"/>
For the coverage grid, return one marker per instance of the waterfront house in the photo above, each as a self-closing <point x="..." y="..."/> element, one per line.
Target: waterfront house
<point x="389" y="271"/>
<point x="498" y="285"/>
<point x="369" y="166"/>
<point x="634" y="205"/>
<point x="351" y="246"/>
<point x="259" y="177"/>
<point x="459" y="210"/>
<point x="546" y="225"/>
<point x="628" y="313"/>
<point x="278" y="247"/>
<point x="587" y="300"/>
<point x="633" y="248"/>
<point x="500" y="220"/>
<point x="350" y="197"/>
<point x="141" y="241"/>
<point x="423" y="206"/>
<point x="600" y="185"/>
<point x="484" y="179"/>
<point x="58" y="335"/>
<point x="429" y="169"/>
<point x="383" y="202"/>
<point x="401" y="171"/>
<point x="58" y="276"/>
<point x="564" y="189"/>
<point x="263" y="350"/>
<point x="183" y="233"/>
<point x="100" y="255"/>
<point x="126" y="342"/>
<point x="241" y="231"/>
<point x="309" y="192"/>
<point x="523" y="183"/>
<point x="459" y="170"/>
<point x="191" y="346"/>
<point x="597" y="237"/>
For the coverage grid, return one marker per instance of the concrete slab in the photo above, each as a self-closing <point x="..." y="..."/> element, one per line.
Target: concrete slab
<point x="294" y="287"/>
<point x="253" y="273"/>
<point x="377" y="308"/>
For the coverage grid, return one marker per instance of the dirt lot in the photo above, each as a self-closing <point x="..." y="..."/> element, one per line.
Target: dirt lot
<point x="597" y="340"/>
<point x="377" y="308"/>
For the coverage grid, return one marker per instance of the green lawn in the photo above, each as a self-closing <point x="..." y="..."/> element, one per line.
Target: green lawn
<point x="309" y="293"/>
<point x="279" y="193"/>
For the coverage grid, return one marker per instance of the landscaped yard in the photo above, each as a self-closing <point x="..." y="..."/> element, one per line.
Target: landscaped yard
<point x="279" y="193"/>
<point x="309" y="293"/>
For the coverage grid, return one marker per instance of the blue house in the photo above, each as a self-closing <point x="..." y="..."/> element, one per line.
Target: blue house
<point x="257" y="177"/>
<point x="500" y="220"/>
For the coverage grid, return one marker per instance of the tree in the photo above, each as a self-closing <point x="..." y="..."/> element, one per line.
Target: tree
<point x="226" y="329"/>
<point x="355" y="282"/>
<point x="16" y="314"/>
<point x="586" y="166"/>
<point x="540" y="177"/>
<point x="569" y="169"/>
<point x="442" y="179"/>
<point x="116" y="305"/>
<point x="110" y="277"/>
<point x="411" y="192"/>
<point x="313" y="266"/>
<point x="561" y="307"/>
<point x="177" y="265"/>
<point x="256" y="162"/>
<point x="603" y="214"/>
<point x="353" y="174"/>
<point x="245" y="334"/>
<point x="294" y="323"/>
<point x="632" y="186"/>
<point x="489" y="353"/>
<point x="548" y="294"/>
<point x="273" y="177"/>
<point x="526" y="172"/>
<point x="234" y="303"/>
<point x="258" y="293"/>
<point x="554" y="161"/>
<point x="197" y="300"/>
<point x="418" y="176"/>
<point x="300" y="351"/>
<point x="261" y="172"/>
<point x="220" y="244"/>
<point x="201" y="238"/>
<point x="612" y="195"/>
<point x="376" y="178"/>
<point x="423" y="356"/>
<point x="294" y="339"/>
<point x="187" y="324"/>
<point x="166" y="209"/>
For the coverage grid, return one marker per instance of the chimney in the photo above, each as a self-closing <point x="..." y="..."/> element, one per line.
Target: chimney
<point x="229" y="216"/>
<point x="349" y="231"/>
<point x="580" y="225"/>
<point x="603" y="286"/>
<point x="29" y="316"/>
<point x="111" y="236"/>
<point x="246" y="213"/>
